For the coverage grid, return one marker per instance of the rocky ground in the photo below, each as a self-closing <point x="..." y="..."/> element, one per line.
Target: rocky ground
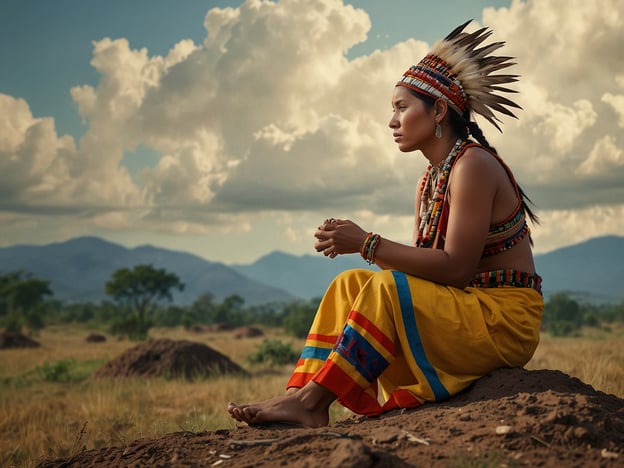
<point x="510" y="418"/>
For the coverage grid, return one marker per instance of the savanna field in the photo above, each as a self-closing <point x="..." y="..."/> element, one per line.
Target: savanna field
<point x="51" y="407"/>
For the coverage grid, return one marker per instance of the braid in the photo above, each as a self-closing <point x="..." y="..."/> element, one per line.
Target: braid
<point x="475" y="131"/>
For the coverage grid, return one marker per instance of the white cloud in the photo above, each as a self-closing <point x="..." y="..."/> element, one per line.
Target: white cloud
<point x="34" y="161"/>
<point x="577" y="225"/>
<point x="567" y="147"/>
<point x="616" y="101"/>
<point x="268" y="115"/>
<point x="604" y="158"/>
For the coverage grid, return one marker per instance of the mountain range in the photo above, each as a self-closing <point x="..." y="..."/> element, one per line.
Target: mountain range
<point x="77" y="269"/>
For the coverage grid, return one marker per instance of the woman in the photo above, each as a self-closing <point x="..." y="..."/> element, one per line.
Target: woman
<point x="463" y="299"/>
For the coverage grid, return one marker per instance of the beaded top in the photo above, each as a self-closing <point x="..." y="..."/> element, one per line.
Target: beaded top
<point x="434" y="209"/>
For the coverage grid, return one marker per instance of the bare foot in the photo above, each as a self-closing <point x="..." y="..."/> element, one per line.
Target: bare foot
<point x="309" y="407"/>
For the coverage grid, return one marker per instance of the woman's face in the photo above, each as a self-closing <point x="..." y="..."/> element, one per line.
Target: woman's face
<point x="412" y="123"/>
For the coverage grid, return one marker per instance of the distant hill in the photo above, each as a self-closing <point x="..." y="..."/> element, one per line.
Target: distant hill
<point x="304" y="276"/>
<point x="591" y="271"/>
<point x="79" y="268"/>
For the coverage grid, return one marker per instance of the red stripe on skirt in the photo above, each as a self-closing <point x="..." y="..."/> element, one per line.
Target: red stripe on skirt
<point x="349" y="393"/>
<point x="324" y="338"/>
<point x="371" y="328"/>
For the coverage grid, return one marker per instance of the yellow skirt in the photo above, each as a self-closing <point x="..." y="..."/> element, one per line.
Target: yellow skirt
<point x="386" y="340"/>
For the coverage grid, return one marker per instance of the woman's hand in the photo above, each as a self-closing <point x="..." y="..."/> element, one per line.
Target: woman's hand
<point x="339" y="236"/>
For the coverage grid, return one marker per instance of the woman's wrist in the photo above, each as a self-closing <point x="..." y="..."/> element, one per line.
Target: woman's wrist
<point x="369" y="246"/>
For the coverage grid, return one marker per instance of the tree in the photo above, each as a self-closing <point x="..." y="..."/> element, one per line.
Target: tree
<point x="230" y="311"/>
<point x="562" y="315"/>
<point x="562" y="307"/>
<point x="141" y="288"/>
<point x="203" y="308"/>
<point x="21" y="297"/>
<point x="300" y="317"/>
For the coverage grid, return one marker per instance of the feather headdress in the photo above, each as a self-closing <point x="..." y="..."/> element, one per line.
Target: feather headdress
<point x="461" y="73"/>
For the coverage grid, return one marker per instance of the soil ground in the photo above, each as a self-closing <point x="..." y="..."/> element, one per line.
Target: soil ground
<point x="509" y="418"/>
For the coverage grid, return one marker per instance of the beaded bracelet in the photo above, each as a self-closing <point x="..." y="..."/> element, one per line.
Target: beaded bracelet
<point x="365" y="245"/>
<point x="369" y="247"/>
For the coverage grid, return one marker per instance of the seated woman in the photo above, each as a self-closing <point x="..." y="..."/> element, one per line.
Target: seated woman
<point x="463" y="299"/>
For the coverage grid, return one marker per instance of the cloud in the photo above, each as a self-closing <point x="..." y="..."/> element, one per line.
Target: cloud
<point x="566" y="53"/>
<point x="268" y="115"/>
<point x="617" y="103"/>
<point x="34" y="161"/>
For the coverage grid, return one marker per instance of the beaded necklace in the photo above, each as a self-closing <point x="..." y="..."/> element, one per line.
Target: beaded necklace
<point x="431" y="204"/>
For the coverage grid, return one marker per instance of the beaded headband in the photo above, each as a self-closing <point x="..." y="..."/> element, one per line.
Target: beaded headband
<point x="460" y="73"/>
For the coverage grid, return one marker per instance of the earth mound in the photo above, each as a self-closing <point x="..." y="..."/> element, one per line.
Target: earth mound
<point x="95" y="338"/>
<point x="511" y="417"/>
<point x="12" y="340"/>
<point x="164" y="357"/>
<point x="247" y="332"/>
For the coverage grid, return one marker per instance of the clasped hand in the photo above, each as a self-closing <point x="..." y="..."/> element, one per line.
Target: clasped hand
<point x="339" y="236"/>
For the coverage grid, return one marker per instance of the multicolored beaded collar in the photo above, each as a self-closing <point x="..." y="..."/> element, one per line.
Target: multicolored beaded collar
<point x="431" y="204"/>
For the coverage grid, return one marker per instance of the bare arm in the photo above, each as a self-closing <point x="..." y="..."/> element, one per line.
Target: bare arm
<point x="473" y="190"/>
<point x="379" y="261"/>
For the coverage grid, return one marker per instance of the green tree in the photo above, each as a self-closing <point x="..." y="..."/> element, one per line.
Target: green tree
<point x="562" y="315"/>
<point x="562" y="307"/>
<point x="231" y="311"/>
<point x="300" y="316"/>
<point x="21" y="300"/>
<point x="203" y="308"/>
<point x="140" y="290"/>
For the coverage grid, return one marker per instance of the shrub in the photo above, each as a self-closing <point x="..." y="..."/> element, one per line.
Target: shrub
<point x="55" y="372"/>
<point x="273" y="352"/>
<point x="131" y="326"/>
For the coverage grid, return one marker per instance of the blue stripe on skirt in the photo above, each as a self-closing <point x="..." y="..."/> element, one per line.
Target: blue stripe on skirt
<point x="312" y="352"/>
<point x="416" y="346"/>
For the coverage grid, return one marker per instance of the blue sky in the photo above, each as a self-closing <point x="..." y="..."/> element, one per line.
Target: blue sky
<point x="46" y="46"/>
<point x="100" y="137"/>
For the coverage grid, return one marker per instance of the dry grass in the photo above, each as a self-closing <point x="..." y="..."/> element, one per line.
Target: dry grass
<point x="597" y="358"/>
<point x="41" y="419"/>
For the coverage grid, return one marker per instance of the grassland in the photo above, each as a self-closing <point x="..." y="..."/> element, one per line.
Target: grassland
<point x="49" y="406"/>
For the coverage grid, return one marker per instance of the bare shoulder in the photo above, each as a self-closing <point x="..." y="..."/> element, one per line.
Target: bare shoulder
<point x="477" y="158"/>
<point x="476" y="164"/>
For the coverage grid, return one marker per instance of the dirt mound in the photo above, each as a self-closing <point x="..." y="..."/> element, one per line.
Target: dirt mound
<point x="512" y="417"/>
<point x="169" y="358"/>
<point x="12" y="340"/>
<point x="247" y="332"/>
<point x="95" y="338"/>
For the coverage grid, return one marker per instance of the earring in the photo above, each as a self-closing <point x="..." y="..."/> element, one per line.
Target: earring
<point x="438" y="131"/>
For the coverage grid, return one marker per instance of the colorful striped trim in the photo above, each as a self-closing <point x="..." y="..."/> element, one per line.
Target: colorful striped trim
<point x="508" y="277"/>
<point x="361" y="354"/>
<point x="324" y="338"/>
<point x="505" y="235"/>
<point x="360" y="320"/>
<point x="314" y="352"/>
<point x="433" y="76"/>
<point x="349" y="393"/>
<point x="411" y="331"/>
